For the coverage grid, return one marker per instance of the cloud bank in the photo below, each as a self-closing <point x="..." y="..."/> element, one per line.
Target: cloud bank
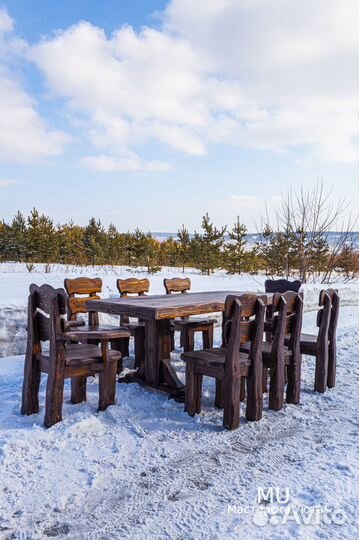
<point x="275" y="76"/>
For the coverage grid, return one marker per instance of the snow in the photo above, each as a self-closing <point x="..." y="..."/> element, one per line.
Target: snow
<point x="144" y="469"/>
<point x="15" y="281"/>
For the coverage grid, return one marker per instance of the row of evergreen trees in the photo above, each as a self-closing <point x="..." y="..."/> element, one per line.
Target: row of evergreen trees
<point x="37" y="239"/>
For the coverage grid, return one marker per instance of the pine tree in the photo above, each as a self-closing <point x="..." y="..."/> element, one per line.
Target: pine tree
<point x="71" y="247"/>
<point x="208" y="245"/>
<point x="114" y="245"/>
<point x="184" y="244"/>
<point x="42" y="240"/>
<point x="16" y="243"/>
<point x="168" y="252"/>
<point x="235" y="250"/>
<point x="94" y="240"/>
<point x="318" y="249"/>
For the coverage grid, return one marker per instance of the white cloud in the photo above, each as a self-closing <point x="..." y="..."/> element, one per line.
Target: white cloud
<point x="6" y="22"/>
<point x="4" y="182"/>
<point x="131" y="162"/>
<point x="267" y="75"/>
<point x="252" y="201"/>
<point x="294" y="59"/>
<point x="24" y="134"/>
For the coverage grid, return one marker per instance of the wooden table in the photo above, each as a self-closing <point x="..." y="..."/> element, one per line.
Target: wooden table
<point x="157" y="312"/>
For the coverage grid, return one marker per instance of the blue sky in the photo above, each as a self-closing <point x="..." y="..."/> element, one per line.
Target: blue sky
<point x="150" y="113"/>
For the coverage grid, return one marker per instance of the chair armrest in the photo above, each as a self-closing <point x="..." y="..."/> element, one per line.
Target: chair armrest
<point x="73" y="324"/>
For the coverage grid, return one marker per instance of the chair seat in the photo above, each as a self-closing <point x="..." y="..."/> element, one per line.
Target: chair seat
<point x="213" y="357"/>
<point x="267" y="352"/>
<point x="308" y="344"/>
<point x="82" y="355"/>
<point x="178" y="324"/>
<point x="97" y="332"/>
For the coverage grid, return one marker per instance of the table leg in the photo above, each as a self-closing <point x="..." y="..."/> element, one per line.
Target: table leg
<point x="158" y="369"/>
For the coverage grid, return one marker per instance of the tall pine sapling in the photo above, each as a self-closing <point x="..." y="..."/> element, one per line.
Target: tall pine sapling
<point x="235" y="249"/>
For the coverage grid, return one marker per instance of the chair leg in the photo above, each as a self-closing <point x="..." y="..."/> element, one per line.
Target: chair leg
<point x="231" y="410"/>
<point x="139" y="346"/>
<point x="321" y="369"/>
<point x="294" y="377"/>
<point x="107" y="379"/>
<point x="332" y="362"/>
<point x="55" y="390"/>
<point x="242" y="395"/>
<point x="188" y="339"/>
<point x="193" y="390"/>
<point x="30" y="388"/>
<point x="265" y="380"/>
<point x="254" y="407"/>
<point x="218" y="402"/>
<point x="207" y="337"/>
<point x="198" y="382"/>
<point x="277" y="384"/>
<point x="78" y="389"/>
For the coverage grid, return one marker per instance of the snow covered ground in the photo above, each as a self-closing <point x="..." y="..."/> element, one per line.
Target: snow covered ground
<point x="15" y="281"/>
<point x="144" y="469"/>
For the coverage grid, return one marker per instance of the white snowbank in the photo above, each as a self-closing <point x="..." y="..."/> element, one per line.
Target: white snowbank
<point x="15" y="281"/>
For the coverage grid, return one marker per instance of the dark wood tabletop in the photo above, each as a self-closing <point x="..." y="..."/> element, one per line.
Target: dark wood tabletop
<point x="159" y="307"/>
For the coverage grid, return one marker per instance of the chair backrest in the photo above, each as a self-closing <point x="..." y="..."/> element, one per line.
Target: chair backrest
<point x="132" y="286"/>
<point x="80" y="290"/>
<point x="177" y="285"/>
<point x="245" y="323"/>
<point x="287" y="309"/>
<point x="46" y="306"/>
<point x="334" y="312"/>
<point x="323" y="317"/>
<point x="281" y="285"/>
<point x="328" y="314"/>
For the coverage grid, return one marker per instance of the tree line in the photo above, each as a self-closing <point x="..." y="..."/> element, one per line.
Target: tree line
<point x="292" y="249"/>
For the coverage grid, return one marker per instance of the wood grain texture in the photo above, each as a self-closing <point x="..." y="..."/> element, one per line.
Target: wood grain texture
<point x="168" y="306"/>
<point x="319" y="346"/>
<point x="228" y="365"/>
<point x="177" y="285"/>
<point x="133" y="286"/>
<point x="83" y="285"/>
<point x="62" y="360"/>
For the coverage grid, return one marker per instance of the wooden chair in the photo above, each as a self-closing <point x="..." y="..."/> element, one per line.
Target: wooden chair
<point x="276" y="286"/>
<point x="323" y="345"/>
<point x="244" y="323"/>
<point x="46" y="306"/>
<point x="80" y="290"/>
<point x="187" y="326"/>
<point x="136" y="328"/>
<point x="281" y="285"/>
<point x="281" y="354"/>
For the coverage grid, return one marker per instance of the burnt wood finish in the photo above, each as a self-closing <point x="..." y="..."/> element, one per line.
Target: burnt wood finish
<point x="156" y="308"/>
<point x="187" y="326"/>
<point x="281" y="354"/>
<point x="281" y="285"/>
<point x="229" y="366"/>
<point x="276" y="286"/>
<point x="166" y="306"/>
<point x="80" y="290"/>
<point x="127" y="288"/>
<point x="46" y="307"/>
<point x="323" y="345"/>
